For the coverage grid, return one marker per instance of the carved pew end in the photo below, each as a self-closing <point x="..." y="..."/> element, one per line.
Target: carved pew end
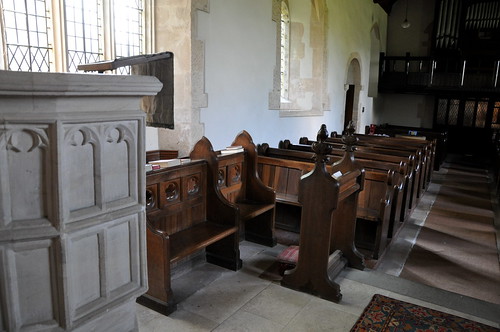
<point x="325" y="288"/>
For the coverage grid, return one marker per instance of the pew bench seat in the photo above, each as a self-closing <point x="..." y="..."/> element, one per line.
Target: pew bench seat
<point x="179" y="224"/>
<point x="368" y="214"/>
<point x="252" y="209"/>
<point x="197" y="237"/>
<point x="290" y="199"/>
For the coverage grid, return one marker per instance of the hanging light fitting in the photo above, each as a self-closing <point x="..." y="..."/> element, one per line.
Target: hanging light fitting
<point x="406" y="24"/>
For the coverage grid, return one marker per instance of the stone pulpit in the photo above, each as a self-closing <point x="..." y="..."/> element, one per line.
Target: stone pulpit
<point x="72" y="198"/>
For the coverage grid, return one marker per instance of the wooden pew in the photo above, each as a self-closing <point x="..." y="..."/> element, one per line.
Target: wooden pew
<point x="363" y="153"/>
<point x="327" y="229"/>
<point x="428" y="148"/>
<point x="282" y="169"/>
<point x="161" y="154"/>
<point x="440" y="137"/>
<point x="400" y="162"/>
<point x="180" y="223"/>
<point x="416" y="155"/>
<point x="234" y="178"/>
<point x="284" y="176"/>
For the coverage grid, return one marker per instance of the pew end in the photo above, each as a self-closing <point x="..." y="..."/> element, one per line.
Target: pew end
<point x="233" y="178"/>
<point x="328" y="220"/>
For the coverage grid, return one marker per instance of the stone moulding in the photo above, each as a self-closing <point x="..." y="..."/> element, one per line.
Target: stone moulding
<point x="72" y="200"/>
<point x="64" y="84"/>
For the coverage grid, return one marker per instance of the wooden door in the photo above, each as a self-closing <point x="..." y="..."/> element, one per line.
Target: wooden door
<point x="349" y="105"/>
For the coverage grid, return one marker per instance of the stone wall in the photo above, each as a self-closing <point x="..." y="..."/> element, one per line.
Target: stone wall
<point x="175" y="32"/>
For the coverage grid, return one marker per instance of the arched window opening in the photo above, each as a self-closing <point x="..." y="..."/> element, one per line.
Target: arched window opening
<point x="285" y="51"/>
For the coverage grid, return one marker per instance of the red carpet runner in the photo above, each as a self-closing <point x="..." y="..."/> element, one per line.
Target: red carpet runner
<point x="386" y="314"/>
<point x="456" y="249"/>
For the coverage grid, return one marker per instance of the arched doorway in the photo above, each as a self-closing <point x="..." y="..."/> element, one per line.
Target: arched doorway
<point x="352" y="88"/>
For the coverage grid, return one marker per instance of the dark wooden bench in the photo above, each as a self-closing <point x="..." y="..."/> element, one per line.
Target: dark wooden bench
<point x="181" y="223"/>
<point x="401" y="163"/>
<point x="363" y="153"/>
<point x="416" y="153"/>
<point x="234" y="178"/>
<point x="440" y="137"/>
<point x="427" y="147"/>
<point x="282" y="169"/>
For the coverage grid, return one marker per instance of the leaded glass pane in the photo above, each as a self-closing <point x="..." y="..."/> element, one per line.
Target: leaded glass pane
<point x="482" y="108"/>
<point x="83" y="32"/>
<point x="495" y="122"/>
<point x="441" y="111"/>
<point x="453" y="112"/>
<point x="26" y="31"/>
<point x="470" y="106"/>
<point x="128" y="29"/>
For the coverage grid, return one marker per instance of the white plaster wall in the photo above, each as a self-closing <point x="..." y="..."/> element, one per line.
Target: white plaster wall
<point x="350" y="37"/>
<point x="152" y="139"/>
<point x="417" y="38"/>
<point x="300" y="12"/>
<point x="239" y="37"/>
<point x="408" y="110"/>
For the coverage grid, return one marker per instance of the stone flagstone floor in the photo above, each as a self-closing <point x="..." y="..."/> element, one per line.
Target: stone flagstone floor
<point x="242" y="301"/>
<point x="212" y="298"/>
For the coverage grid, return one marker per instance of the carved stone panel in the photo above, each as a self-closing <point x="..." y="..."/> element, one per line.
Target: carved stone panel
<point x="84" y="269"/>
<point x="30" y="290"/>
<point x="105" y="155"/>
<point x="120" y="161"/>
<point x="103" y="263"/>
<point x="122" y="250"/>
<point x="25" y="175"/>
<point x="80" y="152"/>
<point x="3" y="307"/>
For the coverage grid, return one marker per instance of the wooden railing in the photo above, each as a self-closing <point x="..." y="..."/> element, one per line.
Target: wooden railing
<point x="428" y="74"/>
